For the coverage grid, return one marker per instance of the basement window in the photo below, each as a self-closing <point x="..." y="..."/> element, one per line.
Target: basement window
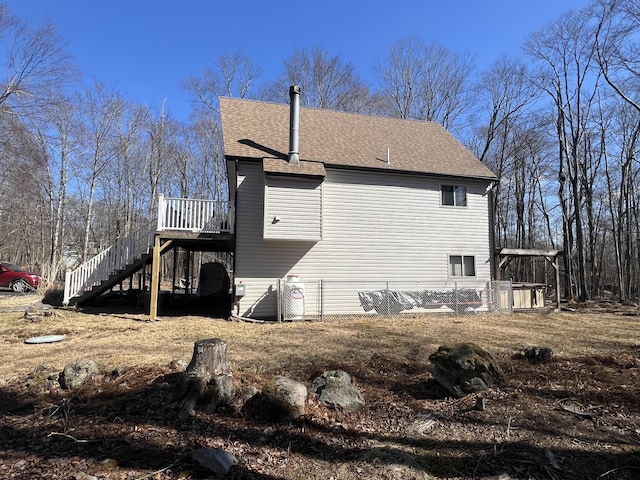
<point x="453" y="195"/>
<point x="462" y="266"/>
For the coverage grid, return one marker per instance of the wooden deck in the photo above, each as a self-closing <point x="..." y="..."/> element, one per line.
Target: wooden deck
<point x="191" y="224"/>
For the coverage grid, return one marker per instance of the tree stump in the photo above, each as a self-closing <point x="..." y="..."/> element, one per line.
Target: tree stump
<point x="208" y="377"/>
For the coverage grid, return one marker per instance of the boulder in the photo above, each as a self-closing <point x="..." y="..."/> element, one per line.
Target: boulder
<point x="213" y="460"/>
<point x="76" y="374"/>
<point x="334" y="389"/>
<point x="465" y="368"/>
<point x="538" y="354"/>
<point x="281" y="399"/>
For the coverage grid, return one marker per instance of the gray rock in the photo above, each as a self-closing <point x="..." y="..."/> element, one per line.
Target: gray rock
<point x="247" y="392"/>
<point x="178" y="364"/>
<point x="346" y="398"/>
<point x="76" y="374"/>
<point x="214" y="460"/>
<point x="539" y="354"/>
<point x="281" y="399"/>
<point x="465" y="368"/>
<point x="335" y="390"/>
<point x="335" y="377"/>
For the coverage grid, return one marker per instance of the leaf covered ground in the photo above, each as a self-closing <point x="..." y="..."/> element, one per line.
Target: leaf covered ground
<point x="576" y="417"/>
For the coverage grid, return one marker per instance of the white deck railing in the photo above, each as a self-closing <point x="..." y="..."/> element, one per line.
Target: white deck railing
<point x="116" y="257"/>
<point x="194" y="215"/>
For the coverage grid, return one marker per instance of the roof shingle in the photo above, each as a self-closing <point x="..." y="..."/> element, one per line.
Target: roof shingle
<point x="253" y="129"/>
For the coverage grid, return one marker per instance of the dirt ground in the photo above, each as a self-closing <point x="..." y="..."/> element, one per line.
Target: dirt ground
<point x="575" y="417"/>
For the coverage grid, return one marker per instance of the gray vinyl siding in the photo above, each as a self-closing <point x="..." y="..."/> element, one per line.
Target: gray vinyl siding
<point x="375" y="227"/>
<point x="293" y="209"/>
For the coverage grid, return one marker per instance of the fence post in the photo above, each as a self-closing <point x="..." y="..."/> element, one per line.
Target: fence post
<point x="279" y="299"/>
<point x="321" y="293"/>
<point x="455" y="298"/>
<point x="487" y="296"/>
<point x="388" y="295"/>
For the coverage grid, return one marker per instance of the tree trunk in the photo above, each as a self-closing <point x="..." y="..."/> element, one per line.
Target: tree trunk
<point x="208" y="377"/>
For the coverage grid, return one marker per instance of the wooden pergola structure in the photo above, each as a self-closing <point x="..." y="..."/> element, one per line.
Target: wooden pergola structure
<point x="505" y="255"/>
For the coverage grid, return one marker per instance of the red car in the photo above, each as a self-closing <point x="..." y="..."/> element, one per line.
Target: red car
<point x="17" y="279"/>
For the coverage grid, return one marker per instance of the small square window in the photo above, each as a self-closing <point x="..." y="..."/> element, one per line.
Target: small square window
<point x="462" y="266"/>
<point x="454" y="195"/>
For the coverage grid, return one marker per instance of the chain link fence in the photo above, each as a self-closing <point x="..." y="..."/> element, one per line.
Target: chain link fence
<point x="329" y="299"/>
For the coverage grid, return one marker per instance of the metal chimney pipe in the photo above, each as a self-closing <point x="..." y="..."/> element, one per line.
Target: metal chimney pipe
<point x="294" y="124"/>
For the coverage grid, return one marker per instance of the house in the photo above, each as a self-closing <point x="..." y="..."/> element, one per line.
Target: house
<point x="354" y="201"/>
<point x="330" y="213"/>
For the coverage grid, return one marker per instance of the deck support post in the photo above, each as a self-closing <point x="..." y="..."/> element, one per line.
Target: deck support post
<point x="187" y="272"/>
<point x="155" y="279"/>
<point x="158" y="248"/>
<point x="173" y="277"/>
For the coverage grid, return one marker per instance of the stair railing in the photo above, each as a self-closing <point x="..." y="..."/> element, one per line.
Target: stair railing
<point x="116" y="257"/>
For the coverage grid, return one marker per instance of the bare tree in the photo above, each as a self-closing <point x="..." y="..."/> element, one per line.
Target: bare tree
<point x="162" y="144"/>
<point x="618" y="52"/>
<point x="57" y="138"/>
<point x="21" y="164"/>
<point x="129" y="166"/>
<point x="622" y="174"/>
<point x="103" y="109"/>
<point x="36" y="65"/>
<point x="426" y="81"/>
<point x="234" y="76"/>
<point x="618" y="25"/>
<point x="210" y="177"/>
<point x="326" y="81"/>
<point x="122" y="195"/>
<point x="565" y="58"/>
<point x="505" y="93"/>
<point x="37" y="70"/>
<point x="505" y="97"/>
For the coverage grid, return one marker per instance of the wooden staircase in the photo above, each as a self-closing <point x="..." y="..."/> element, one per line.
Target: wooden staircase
<point x="110" y="267"/>
<point x="114" y="279"/>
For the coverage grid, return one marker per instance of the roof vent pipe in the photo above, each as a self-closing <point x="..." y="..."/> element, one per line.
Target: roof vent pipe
<point x="294" y="124"/>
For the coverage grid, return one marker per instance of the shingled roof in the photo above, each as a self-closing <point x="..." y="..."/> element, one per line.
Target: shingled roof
<point x="258" y="130"/>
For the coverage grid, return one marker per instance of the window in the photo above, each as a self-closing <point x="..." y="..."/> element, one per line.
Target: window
<point x="454" y="195"/>
<point x="462" y="266"/>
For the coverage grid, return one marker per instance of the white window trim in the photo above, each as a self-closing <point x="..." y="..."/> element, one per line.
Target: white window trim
<point x="454" y="185"/>
<point x="462" y="257"/>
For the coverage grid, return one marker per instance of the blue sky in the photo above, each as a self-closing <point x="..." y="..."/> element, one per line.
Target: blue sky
<point x="144" y="48"/>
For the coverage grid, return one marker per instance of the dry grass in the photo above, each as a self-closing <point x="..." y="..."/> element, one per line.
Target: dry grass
<point x="127" y="340"/>
<point x="408" y="429"/>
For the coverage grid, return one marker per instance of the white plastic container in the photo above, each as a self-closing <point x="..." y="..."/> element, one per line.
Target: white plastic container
<point x="293" y="298"/>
